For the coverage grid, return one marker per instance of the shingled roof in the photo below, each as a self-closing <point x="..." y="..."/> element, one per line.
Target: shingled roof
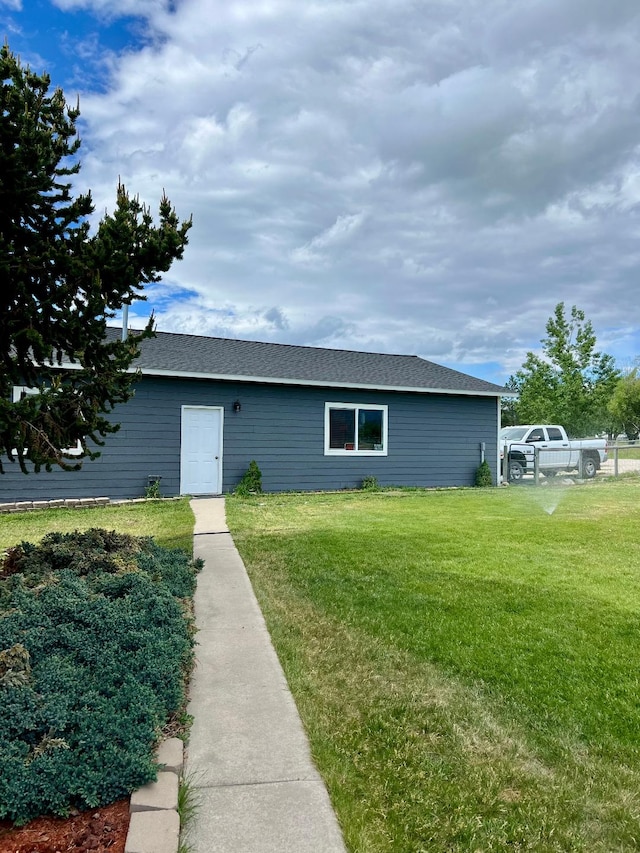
<point x="193" y="356"/>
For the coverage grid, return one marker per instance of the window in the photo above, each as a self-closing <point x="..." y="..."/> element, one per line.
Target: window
<point x="513" y="433"/>
<point x="351" y="429"/>
<point x="554" y="434"/>
<point x="21" y="391"/>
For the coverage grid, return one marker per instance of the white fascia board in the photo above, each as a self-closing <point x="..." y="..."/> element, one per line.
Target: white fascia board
<point x="270" y="380"/>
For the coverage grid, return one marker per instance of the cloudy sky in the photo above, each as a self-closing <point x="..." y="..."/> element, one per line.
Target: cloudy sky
<point x="414" y="176"/>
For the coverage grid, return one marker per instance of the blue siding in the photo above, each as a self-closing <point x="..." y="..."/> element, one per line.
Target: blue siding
<point x="434" y="440"/>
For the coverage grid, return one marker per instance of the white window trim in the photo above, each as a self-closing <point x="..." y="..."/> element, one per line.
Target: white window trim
<point x="20" y="390"/>
<point x="335" y="451"/>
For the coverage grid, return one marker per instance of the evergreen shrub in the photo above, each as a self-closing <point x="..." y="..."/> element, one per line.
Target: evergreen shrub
<point x="251" y="482"/>
<point x="483" y="475"/>
<point x="95" y="648"/>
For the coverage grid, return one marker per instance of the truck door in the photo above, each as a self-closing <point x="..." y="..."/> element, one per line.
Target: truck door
<point x="560" y="455"/>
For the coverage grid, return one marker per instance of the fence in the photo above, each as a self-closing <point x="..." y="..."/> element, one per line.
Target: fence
<point x="583" y="463"/>
<point x="628" y="463"/>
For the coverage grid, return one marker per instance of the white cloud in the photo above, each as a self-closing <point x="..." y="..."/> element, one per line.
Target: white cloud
<point x="116" y="8"/>
<point x="338" y="233"/>
<point x="429" y="178"/>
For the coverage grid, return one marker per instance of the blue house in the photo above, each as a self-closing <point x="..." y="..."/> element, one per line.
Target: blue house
<point x="313" y="419"/>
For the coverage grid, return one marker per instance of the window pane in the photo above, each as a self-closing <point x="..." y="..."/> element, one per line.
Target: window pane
<point x="342" y="429"/>
<point x="369" y="429"/>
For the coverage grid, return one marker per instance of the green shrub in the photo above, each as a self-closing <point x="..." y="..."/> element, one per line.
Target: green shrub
<point x="95" y="553"/>
<point x="251" y="482"/>
<point x="483" y="475"/>
<point x="370" y="484"/>
<point x="153" y="490"/>
<point x="95" y="660"/>
<point x="15" y="666"/>
<point x="84" y="553"/>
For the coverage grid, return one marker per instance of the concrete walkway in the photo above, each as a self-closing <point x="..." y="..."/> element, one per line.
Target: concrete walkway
<point x="248" y="757"/>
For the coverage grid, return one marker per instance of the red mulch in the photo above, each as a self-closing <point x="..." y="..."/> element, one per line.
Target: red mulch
<point x="101" y="830"/>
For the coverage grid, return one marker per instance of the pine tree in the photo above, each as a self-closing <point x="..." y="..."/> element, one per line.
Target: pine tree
<point x="61" y="283"/>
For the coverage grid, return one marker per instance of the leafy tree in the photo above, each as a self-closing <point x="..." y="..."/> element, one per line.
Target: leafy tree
<point x="62" y="283"/>
<point x="625" y="404"/>
<point x="572" y="383"/>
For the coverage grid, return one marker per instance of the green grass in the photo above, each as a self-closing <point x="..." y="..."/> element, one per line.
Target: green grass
<point x="466" y="662"/>
<point x="625" y="453"/>
<point x="170" y="523"/>
<point x="189" y="804"/>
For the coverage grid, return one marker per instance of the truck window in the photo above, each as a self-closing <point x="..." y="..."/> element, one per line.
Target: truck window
<point x="536" y="435"/>
<point x="555" y="434"/>
<point x="513" y="433"/>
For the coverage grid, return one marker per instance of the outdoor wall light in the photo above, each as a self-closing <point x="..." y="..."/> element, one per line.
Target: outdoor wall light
<point x="237" y="406"/>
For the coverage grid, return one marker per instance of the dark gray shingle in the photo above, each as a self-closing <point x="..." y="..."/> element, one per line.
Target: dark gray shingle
<point x="194" y="355"/>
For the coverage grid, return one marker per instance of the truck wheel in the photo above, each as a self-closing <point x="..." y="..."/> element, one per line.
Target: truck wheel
<point x="516" y="471"/>
<point x="589" y="468"/>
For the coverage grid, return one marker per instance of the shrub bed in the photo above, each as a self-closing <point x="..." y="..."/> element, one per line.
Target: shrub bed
<point x="95" y="647"/>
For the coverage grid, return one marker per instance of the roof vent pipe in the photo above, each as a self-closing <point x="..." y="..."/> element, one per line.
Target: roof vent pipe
<point x="125" y="322"/>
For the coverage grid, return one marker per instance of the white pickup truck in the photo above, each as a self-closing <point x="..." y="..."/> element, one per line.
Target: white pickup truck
<point x="555" y="451"/>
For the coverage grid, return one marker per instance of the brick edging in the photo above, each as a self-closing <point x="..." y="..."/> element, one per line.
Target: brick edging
<point x="70" y="503"/>
<point x="155" y="824"/>
<point x="74" y="503"/>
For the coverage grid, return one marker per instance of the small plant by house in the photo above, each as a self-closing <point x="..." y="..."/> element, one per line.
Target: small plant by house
<point x="483" y="475"/>
<point x="95" y="649"/>
<point x="370" y="484"/>
<point x="251" y="482"/>
<point x="152" y="491"/>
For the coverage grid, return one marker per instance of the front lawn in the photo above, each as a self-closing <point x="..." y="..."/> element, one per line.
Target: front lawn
<point x="169" y="522"/>
<point x="466" y="662"/>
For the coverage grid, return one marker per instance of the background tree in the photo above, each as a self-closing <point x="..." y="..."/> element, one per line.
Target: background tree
<point x="624" y="405"/>
<point x="572" y="383"/>
<point x="509" y="415"/>
<point x="60" y="282"/>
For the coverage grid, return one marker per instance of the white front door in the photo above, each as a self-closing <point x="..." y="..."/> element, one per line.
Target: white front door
<point x="201" y="450"/>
